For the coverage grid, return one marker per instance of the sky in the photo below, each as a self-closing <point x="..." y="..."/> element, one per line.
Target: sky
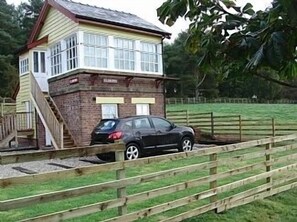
<point x="146" y="9"/>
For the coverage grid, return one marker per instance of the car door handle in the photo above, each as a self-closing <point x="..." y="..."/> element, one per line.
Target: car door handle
<point x="159" y="132"/>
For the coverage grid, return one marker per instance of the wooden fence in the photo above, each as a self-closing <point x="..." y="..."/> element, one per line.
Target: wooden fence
<point x="10" y="123"/>
<point x="233" y="127"/>
<point x="7" y="126"/>
<point x="226" y="100"/>
<point x="162" y="188"/>
<point x="7" y="108"/>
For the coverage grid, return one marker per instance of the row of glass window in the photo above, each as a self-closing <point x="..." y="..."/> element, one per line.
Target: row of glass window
<point x="96" y="54"/>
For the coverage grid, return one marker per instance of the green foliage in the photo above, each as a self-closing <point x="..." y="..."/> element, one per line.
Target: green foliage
<point x="15" y="26"/>
<point x="180" y="62"/>
<point x="9" y="43"/>
<point x="27" y="16"/>
<point x="221" y="33"/>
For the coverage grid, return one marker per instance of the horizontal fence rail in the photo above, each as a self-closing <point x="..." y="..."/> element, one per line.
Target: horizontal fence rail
<point x="226" y="100"/>
<point x="171" y="187"/>
<point x="7" y="108"/>
<point x="237" y="127"/>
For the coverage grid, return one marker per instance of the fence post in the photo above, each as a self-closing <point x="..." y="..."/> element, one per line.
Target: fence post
<point x="213" y="171"/>
<point x="121" y="174"/>
<point x="268" y="165"/>
<point x="273" y="127"/>
<point x="240" y="128"/>
<point x="16" y="130"/>
<point x="187" y="116"/>
<point x="212" y="124"/>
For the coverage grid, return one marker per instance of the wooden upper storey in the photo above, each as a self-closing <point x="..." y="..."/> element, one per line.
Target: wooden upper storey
<point x="71" y="35"/>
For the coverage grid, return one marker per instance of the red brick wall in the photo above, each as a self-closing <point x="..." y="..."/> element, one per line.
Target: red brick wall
<point x="77" y="102"/>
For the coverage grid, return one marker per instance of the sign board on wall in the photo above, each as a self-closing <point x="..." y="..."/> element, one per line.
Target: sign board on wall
<point x="110" y="81"/>
<point x="73" y="81"/>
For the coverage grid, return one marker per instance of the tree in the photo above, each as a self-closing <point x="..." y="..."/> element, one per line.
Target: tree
<point x="9" y="43"/>
<point x="27" y="16"/>
<point x="227" y="36"/>
<point x="181" y="63"/>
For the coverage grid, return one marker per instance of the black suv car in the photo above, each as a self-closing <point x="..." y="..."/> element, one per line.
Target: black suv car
<point x="142" y="134"/>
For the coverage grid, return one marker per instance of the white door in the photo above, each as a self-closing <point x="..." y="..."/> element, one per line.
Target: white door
<point x="39" y="69"/>
<point x="48" y="138"/>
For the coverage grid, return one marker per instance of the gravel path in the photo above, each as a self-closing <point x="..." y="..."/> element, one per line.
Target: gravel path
<point x="21" y="169"/>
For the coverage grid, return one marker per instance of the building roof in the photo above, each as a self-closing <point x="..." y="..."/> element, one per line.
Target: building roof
<point x="109" y="16"/>
<point x="78" y="12"/>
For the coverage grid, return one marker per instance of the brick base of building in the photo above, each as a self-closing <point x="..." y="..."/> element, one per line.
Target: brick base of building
<point x="75" y="96"/>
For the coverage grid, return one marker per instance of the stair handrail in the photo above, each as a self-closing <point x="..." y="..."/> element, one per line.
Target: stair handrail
<point x="46" y="114"/>
<point x="63" y="120"/>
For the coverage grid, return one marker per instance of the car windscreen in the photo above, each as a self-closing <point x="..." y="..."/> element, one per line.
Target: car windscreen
<point x="106" y="125"/>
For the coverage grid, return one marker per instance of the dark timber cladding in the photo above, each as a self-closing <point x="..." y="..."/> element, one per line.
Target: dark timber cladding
<point x="75" y="94"/>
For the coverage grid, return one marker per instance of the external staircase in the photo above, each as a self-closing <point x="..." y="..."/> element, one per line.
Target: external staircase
<point x="51" y="117"/>
<point x="68" y="140"/>
<point x="20" y="124"/>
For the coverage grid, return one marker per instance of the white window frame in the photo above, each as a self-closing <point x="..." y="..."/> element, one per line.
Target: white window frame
<point x="56" y="59"/>
<point x="112" y="110"/>
<point x="142" y="109"/>
<point x="71" y="52"/>
<point x="124" y="54"/>
<point x="40" y="60"/>
<point x="24" y="66"/>
<point x="150" y="57"/>
<point x="96" y="50"/>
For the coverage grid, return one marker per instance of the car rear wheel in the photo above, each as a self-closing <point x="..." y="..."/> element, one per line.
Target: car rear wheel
<point x="186" y="145"/>
<point x="132" y="151"/>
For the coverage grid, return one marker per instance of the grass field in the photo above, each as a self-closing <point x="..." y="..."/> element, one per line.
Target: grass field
<point x="280" y="208"/>
<point x="283" y="112"/>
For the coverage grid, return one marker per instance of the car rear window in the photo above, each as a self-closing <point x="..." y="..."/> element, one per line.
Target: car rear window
<point x="107" y="125"/>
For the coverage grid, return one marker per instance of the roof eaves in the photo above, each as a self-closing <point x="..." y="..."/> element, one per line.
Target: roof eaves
<point x="162" y="33"/>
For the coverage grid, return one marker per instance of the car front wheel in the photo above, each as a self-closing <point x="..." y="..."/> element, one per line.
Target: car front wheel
<point x="186" y="145"/>
<point x="132" y="151"/>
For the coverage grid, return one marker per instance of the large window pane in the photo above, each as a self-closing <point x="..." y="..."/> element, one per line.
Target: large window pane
<point x="56" y="65"/>
<point x="24" y="66"/>
<point x="142" y="109"/>
<point x="71" y="52"/>
<point x="96" y="50"/>
<point x="109" y="111"/>
<point x="35" y="61"/>
<point x="124" y="54"/>
<point x="149" y="57"/>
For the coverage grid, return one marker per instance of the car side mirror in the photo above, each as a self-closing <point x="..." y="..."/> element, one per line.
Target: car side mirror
<point x="173" y="126"/>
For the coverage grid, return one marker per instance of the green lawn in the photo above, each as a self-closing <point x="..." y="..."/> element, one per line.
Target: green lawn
<point x="281" y="207"/>
<point x="283" y="112"/>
